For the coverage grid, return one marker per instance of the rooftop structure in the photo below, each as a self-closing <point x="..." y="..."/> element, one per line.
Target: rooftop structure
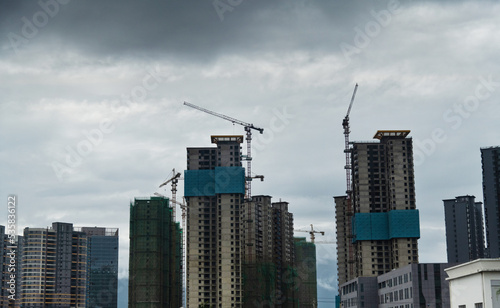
<point x="475" y="284"/>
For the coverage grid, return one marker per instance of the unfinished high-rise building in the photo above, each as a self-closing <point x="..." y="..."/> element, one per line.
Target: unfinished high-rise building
<point x="259" y="270"/>
<point x="305" y="265"/>
<point x="239" y="251"/>
<point x="379" y="231"/>
<point x="284" y="255"/>
<point x="155" y="265"/>
<point x="269" y="276"/>
<point x="215" y="192"/>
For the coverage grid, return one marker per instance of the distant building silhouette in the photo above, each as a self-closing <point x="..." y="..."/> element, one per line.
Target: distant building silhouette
<point x="102" y="267"/>
<point x="464" y="229"/>
<point x="490" y="158"/>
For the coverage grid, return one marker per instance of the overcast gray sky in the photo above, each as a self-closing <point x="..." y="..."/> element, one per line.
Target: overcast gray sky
<point x="91" y="95"/>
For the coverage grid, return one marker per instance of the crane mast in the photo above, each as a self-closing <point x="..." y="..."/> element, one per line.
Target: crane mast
<point x="348" y="167"/>
<point x="347" y="151"/>
<point x="248" y="130"/>
<point x="174" y="180"/>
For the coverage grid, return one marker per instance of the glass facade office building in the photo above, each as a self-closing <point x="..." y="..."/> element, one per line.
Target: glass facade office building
<point x="102" y="267"/>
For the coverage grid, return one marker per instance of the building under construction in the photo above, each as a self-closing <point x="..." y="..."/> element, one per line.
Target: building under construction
<point x="239" y="250"/>
<point x="155" y="265"/>
<point x="269" y="276"/>
<point x="215" y="192"/>
<point x="377" y="223"/>
<point x="305" y="265"/>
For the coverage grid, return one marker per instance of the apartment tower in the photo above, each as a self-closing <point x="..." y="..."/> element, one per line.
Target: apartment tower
<point x="54" y="267"/>
<point x="155" y="265"/>
<point x="464" y="229"/>
<point x="381" y="232"/>
<point x="490" y="158"/>
<point x="215" y="192"/>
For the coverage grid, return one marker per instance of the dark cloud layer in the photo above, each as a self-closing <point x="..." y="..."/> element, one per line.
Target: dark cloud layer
<point x="195" y="30"/>
<point x="416" y="69"/>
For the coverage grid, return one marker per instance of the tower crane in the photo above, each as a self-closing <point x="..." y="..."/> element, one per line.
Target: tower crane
<point x="174" y="180"/>
<point x="348" y="167"/>
<point x="248" y="129"/>
<point x="311" y="232"/>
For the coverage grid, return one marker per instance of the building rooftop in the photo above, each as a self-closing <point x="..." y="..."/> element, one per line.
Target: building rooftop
<point x="391" y="133"/>
<point x="227" y="138"/>
<point x="473" y="267"/>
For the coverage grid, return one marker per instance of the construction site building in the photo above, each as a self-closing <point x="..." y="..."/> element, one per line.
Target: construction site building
<point x="284" y="255"/>
<point x="155" y="265"/>
<point x="215" y="193"/>
<point x="269" y="277"/>
<point x="384" y="219"/>
<point x="305" y="265"/>
<point x="259" y="271"/>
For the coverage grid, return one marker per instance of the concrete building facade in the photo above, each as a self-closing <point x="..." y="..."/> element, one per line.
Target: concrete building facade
<point x="345" y="249"/>
<point x="475" y="284"/>
<point x="259" y="271"/>
<point x="284" y="256"/>
<point x="464" y="229"/>
<point x="490" y="158"/>
<point x="269" y="277"/>
<point x="240" y="253"/>
<point x="155" y="265"/>
<point x="215" y="193"/>
<point x="381" y="232"/>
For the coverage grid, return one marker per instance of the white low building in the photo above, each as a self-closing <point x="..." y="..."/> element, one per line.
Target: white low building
<point x="475" y="284"/>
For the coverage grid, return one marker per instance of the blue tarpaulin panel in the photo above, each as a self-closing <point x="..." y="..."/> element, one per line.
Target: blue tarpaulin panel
<point x="404" y="223"/>
<point x="370" y="226"/>
<point x="385" y="226"/>
<point x="199" y="183"/>
<point x="222" y="180"/>
<point x="229" y="180"/>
